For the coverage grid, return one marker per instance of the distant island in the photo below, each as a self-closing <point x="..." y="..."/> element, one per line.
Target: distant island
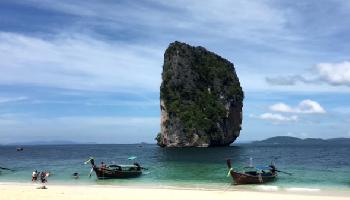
<point x="52" y="142"/>
<point x="283" y="140"/>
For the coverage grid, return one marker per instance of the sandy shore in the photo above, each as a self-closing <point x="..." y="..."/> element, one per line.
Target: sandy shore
<point x="55" y="192"/>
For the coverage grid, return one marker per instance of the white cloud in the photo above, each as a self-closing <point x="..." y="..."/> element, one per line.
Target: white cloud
<point x="241" y="19"/>
<point x="334" y="73"/>
<point x="252" y="21"/>
<point x="12" y="99"/>
<point x="281" y="107"/>
<point x="79" y="62"/>
<point x="309" y="107"/>
<point x="276" y="117"/>
<point x="287" y="80"/>
<point x="222" y="26"/>
<point x="305" y="107"/>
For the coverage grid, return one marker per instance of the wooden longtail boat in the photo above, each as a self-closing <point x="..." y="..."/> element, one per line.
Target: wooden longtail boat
<point x="253" y="176"/>
<point x="116" y="171"/>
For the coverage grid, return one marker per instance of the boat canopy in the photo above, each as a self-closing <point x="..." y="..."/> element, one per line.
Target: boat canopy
<point x="123" y="166"/>
<point x="257" y="168"/>
<point x="263" y="168"/>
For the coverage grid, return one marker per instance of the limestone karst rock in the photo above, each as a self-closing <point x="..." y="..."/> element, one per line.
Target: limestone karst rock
<point x="201" y="99"/>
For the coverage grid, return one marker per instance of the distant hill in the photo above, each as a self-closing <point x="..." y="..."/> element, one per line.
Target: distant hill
<point x="281" y="140"/>
<point x="52" y="142"/>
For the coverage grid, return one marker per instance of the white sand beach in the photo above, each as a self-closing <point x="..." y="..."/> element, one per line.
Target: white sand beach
<point x="86" y="192"/>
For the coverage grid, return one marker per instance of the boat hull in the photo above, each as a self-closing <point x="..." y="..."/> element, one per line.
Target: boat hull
<point x="116" y="174"/>
<point x="243" y="178"/>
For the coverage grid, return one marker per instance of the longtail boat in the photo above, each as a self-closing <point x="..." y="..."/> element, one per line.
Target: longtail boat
<point x="19" y="149"/>
<point x="115" y="171"/>
<point x="5" y="168"/>
<point x="253" y="176"/>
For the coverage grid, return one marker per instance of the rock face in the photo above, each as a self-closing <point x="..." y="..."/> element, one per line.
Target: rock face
<point x="201" y="99"/>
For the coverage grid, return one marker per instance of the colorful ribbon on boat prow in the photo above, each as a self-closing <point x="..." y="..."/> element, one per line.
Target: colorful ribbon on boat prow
<point x="89" y="160"/>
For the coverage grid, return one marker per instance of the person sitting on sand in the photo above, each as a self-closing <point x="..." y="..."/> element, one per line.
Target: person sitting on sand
<point x="35" y="175"/>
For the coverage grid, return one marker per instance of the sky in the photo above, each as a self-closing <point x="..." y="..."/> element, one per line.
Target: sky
<point x="90" y="71"/>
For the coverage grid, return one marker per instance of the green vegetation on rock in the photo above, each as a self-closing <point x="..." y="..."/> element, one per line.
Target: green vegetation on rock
<point x="198" y="88"/>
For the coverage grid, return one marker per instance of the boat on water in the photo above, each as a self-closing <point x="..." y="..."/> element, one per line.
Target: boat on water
<point x="19" y="149"/>
<point x="253" y="175"/>
<point x="116" y="171"/>
<point x="5" y="168"/>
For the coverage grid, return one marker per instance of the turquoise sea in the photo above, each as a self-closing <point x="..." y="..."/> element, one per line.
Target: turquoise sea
<point x="320" y="167"/>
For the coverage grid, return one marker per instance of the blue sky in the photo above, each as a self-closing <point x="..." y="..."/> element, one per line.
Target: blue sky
<point x="90" y="71"/>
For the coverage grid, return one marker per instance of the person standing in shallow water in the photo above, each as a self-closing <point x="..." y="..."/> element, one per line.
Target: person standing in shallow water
<point x="43" y="177"/>
<point x="103" y="166"/>
<point x="34" y="176"/>
<point x="75" y="175"/>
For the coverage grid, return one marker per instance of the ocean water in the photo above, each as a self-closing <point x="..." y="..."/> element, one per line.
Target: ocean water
<point x="314" y="167"/>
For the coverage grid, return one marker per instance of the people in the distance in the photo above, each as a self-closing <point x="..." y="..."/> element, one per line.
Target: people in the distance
<point x="35" y="175"/>
<point x="75" y="175"/>
<point x="43" y="177"/>
<point x="103" y="166"/>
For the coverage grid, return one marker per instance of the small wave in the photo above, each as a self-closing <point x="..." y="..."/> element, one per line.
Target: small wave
<point x="268" y="187"/>
<point x="303" y="189"/>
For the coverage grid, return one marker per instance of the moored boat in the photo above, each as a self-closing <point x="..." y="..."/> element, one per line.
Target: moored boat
<point x="19" y="149"/>
<point x="116" y="171"/>
<point x="5" y="168"/>
<point x="253" y="175"/>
